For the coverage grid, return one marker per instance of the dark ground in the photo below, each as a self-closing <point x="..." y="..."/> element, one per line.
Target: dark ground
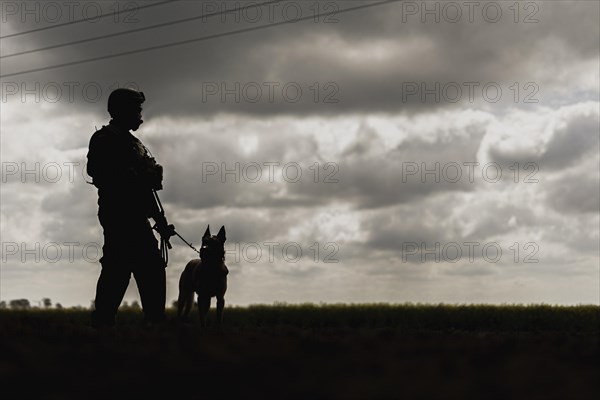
<point x="309" y="352"/>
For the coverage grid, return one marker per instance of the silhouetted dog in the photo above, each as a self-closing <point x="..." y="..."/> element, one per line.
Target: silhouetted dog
<point x="206" y="276"/>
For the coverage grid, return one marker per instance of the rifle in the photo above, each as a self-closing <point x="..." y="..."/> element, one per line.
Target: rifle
<point x="165" y="244"/>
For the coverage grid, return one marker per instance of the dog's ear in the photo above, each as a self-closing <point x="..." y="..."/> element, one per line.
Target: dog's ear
<point x="207" y="233"/>
<point x="221" y="234"/>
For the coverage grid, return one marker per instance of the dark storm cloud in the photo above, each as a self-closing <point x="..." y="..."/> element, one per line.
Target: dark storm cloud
<point x="390" y="230"/>
<point x="372" y="177"/>
<point x="72" y="214"/>
<point x="363" y="61"/>
<point x="576" y="192"/>
<point x="565" y="137"/>
<point x="450" y="221"/>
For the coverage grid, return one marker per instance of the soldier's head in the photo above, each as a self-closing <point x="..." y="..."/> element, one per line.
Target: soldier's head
<point x="125" y="107"/>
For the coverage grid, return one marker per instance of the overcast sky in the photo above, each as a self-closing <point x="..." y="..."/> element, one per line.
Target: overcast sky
<point x="411" y="151"/>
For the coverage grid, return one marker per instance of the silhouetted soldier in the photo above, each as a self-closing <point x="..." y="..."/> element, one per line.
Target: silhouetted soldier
<point x="125" y="174"/>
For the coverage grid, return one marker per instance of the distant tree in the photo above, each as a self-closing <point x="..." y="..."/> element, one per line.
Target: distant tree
<point x="47" y="302"/>
<point x="174" y="304"/>
<point x="2" y="305"/>
<point x="135" y="305"/>
<point x="58" y="306"/>
<point x="125" y="305"/>
<point x="19" y="304"/>
<point x="93" y="305"/>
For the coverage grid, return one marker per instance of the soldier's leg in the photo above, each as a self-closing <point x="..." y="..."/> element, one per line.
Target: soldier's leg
<point x="116" y="273"/>
<point x="150" y="275"/>
<point x="111" y="287"/>
<point x="151" y="281"/>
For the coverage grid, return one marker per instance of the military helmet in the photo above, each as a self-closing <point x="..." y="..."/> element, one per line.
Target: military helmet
<point x="124" y="98"/>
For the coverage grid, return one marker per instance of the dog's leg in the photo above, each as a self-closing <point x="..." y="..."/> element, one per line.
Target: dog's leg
<point x="220" y="306"/>
<point x="203" y="307"/>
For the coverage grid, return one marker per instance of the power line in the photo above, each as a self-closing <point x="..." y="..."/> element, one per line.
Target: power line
<point x="179" y="21"/>
<point x="87" y="19"/>
<point x="203" y="38"/>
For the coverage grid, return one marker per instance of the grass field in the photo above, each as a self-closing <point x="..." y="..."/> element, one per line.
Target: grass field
<point x="309" y="352"/>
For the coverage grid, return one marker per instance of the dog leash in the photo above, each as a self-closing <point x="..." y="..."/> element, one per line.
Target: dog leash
<point x="186" y="242"/>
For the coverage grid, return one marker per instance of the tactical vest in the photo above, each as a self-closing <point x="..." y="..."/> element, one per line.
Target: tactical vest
<point x="122" y="169"/>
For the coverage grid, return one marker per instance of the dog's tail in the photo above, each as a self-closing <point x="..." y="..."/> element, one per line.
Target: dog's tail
<point x="184" y="303"/>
